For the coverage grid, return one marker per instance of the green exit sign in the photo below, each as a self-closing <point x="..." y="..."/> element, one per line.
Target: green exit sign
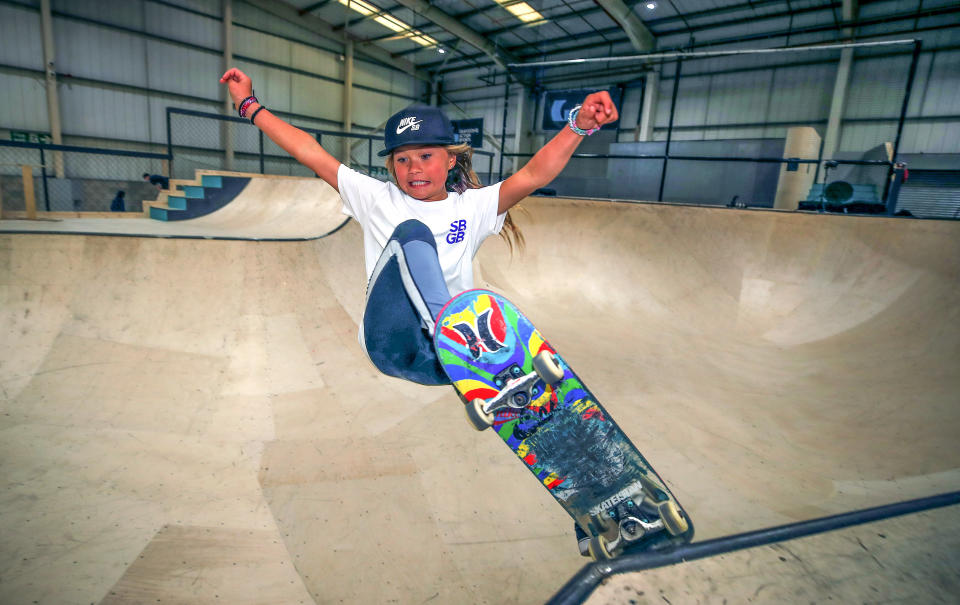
<point x="29" y="137"/>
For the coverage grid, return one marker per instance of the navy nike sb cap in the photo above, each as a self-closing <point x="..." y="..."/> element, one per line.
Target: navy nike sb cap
<point x="417" y="125"/>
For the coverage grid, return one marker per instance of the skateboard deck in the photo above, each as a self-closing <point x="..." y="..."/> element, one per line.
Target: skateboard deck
<point x="513" y="380"/>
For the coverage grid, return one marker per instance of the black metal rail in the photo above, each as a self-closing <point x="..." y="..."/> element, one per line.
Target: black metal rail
<point x="582" y="584"/>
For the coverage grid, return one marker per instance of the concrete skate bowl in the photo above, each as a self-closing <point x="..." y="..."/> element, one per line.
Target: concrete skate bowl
<point x="187" y="420"/>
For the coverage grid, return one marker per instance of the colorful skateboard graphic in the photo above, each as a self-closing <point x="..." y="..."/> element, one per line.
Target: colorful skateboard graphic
<point x="512" y="379"/>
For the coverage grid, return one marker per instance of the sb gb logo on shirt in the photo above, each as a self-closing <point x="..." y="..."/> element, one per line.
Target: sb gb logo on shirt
<point x="458" y="229"/>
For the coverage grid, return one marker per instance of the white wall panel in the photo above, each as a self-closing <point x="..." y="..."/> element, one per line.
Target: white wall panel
<point x="402" y="84"/>
<point x="940" y="93"/>
<point x="23" y="103"/>
<point x="210" y="7"/>
<point x="940" y="137"/>
<point x="372" y="109"/>
<point x="21" y="42"/>
<point x="261" y="46"/>
<point x="661" y="113"/>
<point x="719" y="134"/>
<point x="738" y="98"/>
<point x="917" y="136"/>
<point x="126" y="13"/>
<point x="367" y="74"/>
<point x="692" y="99"/>
<point x="801" y="94"/>
<point x="629" y="109"/>
<point x="386" y="79"/>
<point x="103" y="112"/>
<point x="877" y="87"/>
<point x="316" y="61"/>
<point x="173" y="68"/>
<point x="251" y="16"/>
<point x="99" y="53"/>
<point x="183" y="26"/>
<point x="861" y="137"/>
<point x="315" y="97"/>
<point x="273" y="86"/>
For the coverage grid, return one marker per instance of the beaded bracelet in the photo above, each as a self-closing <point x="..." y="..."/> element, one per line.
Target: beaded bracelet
<point x="572" y="120"/>
<point x="254" y="116"/>
<point x="245" y="104"/>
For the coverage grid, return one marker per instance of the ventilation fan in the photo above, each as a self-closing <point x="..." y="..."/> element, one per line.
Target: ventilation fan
<point x="838" y="192"/>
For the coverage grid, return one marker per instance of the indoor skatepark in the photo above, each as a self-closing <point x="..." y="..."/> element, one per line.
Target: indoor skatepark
<point x="192" y="420"/>
<point x="186" y="414"/>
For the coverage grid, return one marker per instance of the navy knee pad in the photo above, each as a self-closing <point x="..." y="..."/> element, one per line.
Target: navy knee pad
<point x="413" y="231"/>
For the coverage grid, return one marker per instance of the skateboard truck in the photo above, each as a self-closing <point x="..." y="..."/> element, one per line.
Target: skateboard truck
<point x="516" y="389"/>
<point x="626" y="509"/>
<point x="631" y="530"/>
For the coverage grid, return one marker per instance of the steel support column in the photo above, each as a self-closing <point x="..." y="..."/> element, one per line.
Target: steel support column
<point x="53" y="97"/>
<point x="673" y="109"/>
<point x="226" y="128"/>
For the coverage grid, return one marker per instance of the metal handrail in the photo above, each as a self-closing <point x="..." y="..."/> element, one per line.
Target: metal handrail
<point x="579" y="587"/>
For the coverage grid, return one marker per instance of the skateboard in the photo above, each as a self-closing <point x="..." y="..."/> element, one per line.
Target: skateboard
<point x="511" y="379"/>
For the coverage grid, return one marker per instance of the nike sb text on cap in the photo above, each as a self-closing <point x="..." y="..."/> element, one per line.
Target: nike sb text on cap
<point x="417" y="125"/>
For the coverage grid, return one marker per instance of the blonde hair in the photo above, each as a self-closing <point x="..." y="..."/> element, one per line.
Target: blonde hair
<point x="462" y="177"/>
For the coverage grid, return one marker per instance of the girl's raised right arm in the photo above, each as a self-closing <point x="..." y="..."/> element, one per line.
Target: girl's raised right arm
<point x="303" y="147"/>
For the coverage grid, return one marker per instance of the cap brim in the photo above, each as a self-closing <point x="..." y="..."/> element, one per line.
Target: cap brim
<point x="386" y="152"/>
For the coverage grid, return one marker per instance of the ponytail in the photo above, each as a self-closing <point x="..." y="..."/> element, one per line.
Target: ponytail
<point x="462" y="177"/>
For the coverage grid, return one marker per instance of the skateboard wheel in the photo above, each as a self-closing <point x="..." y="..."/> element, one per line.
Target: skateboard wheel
<point x="598" y="549"/>
<point x="673" y="520"/>
<point x="547" y="368"/>
<point x="477" y="417"/>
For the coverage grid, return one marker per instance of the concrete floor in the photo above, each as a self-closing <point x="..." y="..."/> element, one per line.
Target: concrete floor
<point x="190" y="421"/>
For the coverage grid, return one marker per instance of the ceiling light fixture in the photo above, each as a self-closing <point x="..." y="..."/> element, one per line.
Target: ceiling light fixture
<point x="520" y="10"/>
<point x="390" y="22"/>
<point x="651" y="5"/>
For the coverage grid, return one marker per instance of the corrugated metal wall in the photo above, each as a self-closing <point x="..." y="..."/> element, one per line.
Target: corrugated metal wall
<point x="121" y="63"/>
<point x="931" y="194"/>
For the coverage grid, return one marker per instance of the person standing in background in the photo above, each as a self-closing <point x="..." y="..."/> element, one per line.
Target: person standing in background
<point x="118" y="205"/>
<point x="159" y="180"/>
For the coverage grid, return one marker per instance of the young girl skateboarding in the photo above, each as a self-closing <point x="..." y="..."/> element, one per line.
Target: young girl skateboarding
<point x="420" y="232"/>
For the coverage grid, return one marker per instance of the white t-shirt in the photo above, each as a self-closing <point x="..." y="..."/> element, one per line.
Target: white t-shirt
<point x="459" y="223"/>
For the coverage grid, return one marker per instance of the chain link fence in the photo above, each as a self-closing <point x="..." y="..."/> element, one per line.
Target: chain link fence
<point x="75" y="179"/>
<point x="209" y="141"/>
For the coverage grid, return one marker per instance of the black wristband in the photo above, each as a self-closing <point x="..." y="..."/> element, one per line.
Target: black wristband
<point x="254" y="116"/>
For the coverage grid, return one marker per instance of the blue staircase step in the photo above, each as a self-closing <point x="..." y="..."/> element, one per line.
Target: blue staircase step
<point x="198" y="201"/>
<point x="210" y="180"/>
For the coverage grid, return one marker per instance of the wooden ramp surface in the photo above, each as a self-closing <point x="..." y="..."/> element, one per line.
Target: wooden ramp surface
<point x="191" y="421"/>
<point x="268" y="208"/>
